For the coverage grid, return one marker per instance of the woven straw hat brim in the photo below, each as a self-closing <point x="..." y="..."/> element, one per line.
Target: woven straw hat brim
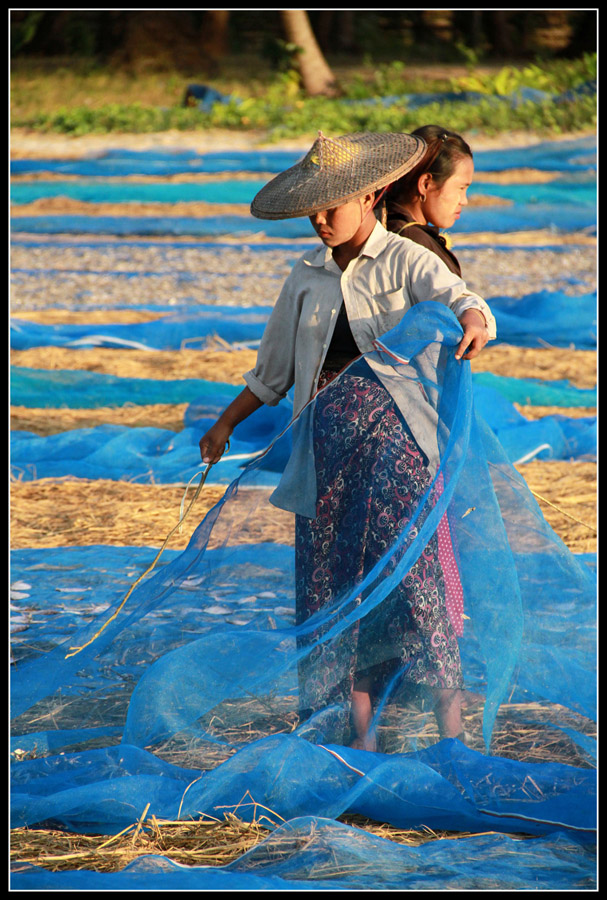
<point x="336" y="171"/>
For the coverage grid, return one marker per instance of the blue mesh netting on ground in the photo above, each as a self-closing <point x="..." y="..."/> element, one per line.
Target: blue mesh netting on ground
<point x="534" y="320"/>
<point x="186" y="701"/>
<point x="311" y="853"/>
<point x="75" y="389"/>
<point x="293" y="248"/>
<point x="53" y="388"/>
<point x="534" y="207"/>
<point x="146" y="454"/>
<point x="500" y="219"/>
<point x="160" y="455"/>
<point x="565" y="191"/>
<point x="564" y="156"/>
<point x="121" y="162"/>
<point x="179" y="330"/>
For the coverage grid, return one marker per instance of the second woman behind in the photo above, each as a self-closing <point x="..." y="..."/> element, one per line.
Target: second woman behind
<point x="432" y="194"/>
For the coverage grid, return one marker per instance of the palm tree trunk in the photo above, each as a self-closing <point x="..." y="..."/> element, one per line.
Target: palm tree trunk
<point x="316" y="75"/>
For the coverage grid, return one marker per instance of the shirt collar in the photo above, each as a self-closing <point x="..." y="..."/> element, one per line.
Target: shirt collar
<point x="376" y="241"/>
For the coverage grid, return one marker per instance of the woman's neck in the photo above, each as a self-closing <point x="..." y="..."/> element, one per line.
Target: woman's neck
<point x="344" y="253"/>
<point x="414" y="208"/>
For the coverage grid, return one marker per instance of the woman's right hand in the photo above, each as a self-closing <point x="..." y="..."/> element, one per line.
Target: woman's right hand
<point x="213" y="443"/>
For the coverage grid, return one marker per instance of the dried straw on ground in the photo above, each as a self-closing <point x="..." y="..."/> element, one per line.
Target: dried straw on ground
<point x="212" y="364"/>
<point x="217" y="363"/>
<point x="571" y="488"/>
<point x="58" y="316"/>
<point x="54" y="421"/>
<point x="66" y="206"/>
<point x="207" y="842"/>
<point x="548" y="363"/>
<point x="77" y="512"/>
<point x="170" y="416"/>
<point x="538" y="412"/>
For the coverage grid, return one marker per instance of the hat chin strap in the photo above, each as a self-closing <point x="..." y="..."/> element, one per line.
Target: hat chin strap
<point x="371" y="208"/>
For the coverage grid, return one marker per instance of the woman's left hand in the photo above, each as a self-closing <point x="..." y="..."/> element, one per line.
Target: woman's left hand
<point x="475" y="334"/>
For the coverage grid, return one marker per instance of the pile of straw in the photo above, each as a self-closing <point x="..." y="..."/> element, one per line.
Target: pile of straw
<point x="205" y="842"/>
<point x="221" y="363"/>
<point x="567" y="495"/>
<point x="66" y="206"/>
<point x="548" y="363"/>
<point x="212" y="364"/>
<point x="55" y="421"/>
<point x="77" y="512"/>
<point x="61" y="512"/>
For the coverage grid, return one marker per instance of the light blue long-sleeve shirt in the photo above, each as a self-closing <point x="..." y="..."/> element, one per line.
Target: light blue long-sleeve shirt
<point x="389" y="276"/>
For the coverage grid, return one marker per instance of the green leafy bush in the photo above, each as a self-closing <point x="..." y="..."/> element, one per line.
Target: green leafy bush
<point x="551" y="77"/>
<point x="285" y="111"/>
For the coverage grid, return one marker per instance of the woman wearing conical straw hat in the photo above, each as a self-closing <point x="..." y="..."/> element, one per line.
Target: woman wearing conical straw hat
<point x="338" y="299"/>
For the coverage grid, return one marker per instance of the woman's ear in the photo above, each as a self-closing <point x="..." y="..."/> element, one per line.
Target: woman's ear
<point x="423" y="183"/>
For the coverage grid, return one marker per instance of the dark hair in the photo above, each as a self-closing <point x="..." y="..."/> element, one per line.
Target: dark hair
<point x="445" y="149"/>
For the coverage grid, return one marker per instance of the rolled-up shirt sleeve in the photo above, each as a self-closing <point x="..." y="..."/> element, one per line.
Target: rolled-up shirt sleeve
<point x="430" y="279"/>
<point x="274" y="371"/>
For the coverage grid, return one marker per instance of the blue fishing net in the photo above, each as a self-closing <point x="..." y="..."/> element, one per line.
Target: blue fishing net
<point x="91" y="191"/>
<point x="309" y="853"/>
<point x="494" y="218"/>
<point x="547" y="318"/>
<point x="189" y="329"/>
<point x="76" y="389"/>
<point x="217" y="686"/>
<point x="120" y="162"/>
<point x="562" y="156"/>
<point x="534" y="320"/>
<point x="567" y="191"/>
<point x="160" y="455"/>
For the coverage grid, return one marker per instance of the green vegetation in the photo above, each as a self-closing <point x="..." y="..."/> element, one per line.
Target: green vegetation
<point x="86" y="99"/>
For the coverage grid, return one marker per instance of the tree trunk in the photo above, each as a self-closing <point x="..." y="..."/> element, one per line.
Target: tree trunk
<point x="503" y="36"/>
<point x="214" y="34"/>
<point x="346" y="30"/>
<point x="316" y="75"/>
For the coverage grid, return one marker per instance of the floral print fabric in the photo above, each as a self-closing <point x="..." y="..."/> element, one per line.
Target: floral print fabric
<point x="371" y="476"/>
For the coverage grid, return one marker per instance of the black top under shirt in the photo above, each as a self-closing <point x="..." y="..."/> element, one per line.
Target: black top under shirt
<point x="343" y="348"/>
<point x="400" y="221"/>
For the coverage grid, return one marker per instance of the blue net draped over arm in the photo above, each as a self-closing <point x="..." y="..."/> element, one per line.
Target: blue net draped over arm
<point x="231" y="667"/>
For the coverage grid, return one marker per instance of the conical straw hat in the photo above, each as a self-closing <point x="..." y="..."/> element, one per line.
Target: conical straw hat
<point x="337" y="170"/>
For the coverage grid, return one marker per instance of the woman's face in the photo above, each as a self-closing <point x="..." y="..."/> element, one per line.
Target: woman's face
<point x="443" y="205"/>
<point x="342" y="224"/>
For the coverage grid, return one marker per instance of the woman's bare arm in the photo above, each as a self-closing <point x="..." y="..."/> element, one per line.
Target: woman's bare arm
<point x="213" y="443"/>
